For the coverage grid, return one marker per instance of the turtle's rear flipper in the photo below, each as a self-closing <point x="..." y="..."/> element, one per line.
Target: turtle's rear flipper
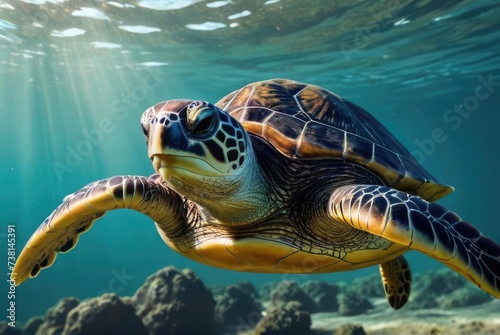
<point x="61" y="230"/>
<point x="424" y="226"/>
<point x="396" y="277"/>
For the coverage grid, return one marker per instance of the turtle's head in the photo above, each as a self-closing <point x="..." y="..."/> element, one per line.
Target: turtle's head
<point x="201" y="151"/>
<point x="194" y="137"/>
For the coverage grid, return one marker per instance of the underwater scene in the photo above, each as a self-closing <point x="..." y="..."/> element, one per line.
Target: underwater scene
<point x="76" y="78"/>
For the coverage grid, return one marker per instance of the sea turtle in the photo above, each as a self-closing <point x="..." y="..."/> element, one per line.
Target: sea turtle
<point x="279" y="177"/>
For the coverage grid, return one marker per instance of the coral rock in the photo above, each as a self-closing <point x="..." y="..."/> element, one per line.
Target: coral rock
<point x="289" y="291"/>
<point x="324" y="294"/>
<point x="248" y="288"/>
<point x="428" y="287"/>
<point x="173" y="302"/>
<point x="32" y="325"/>
<point x="266" y="289"/>
<point x="237" y="306"/>
<point x="107" y="314"/>
<point x="370" y="286"/>
<point x="55" y="318"/>
<point x="5" y="329"/>
<point x="352" y="303"/>
<point x="350" y="329"/>
<point x="285" y="319"/>
<point x="466" y="296"/>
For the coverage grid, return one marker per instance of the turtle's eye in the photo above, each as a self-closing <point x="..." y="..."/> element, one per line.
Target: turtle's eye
<point x="202" y="119"/>
<point x="205" y="124"/>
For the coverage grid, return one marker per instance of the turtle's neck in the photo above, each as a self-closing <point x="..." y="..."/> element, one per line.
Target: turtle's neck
<point x="233" y="200"/>
<point x="297" y="184"/>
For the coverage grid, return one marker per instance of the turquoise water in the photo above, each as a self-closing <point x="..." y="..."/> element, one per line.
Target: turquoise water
<point x="77" y="75"/>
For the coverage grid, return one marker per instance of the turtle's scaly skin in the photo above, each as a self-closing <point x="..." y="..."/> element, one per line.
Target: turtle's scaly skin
<point x="288" y="178"/>
<point x="396" y="277"/>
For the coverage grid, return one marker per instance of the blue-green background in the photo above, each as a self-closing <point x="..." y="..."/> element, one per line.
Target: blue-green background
<point x="406" y="62"/>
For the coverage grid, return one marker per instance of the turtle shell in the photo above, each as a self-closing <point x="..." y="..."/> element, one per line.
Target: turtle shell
<point x="308" y="122"/>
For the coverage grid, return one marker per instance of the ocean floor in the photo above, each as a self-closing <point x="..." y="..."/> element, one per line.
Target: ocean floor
<point x="483" y="319"/>
<point x="177" y="302"/>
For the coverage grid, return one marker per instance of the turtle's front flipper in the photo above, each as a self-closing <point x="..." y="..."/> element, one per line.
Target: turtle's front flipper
<point x="60" y="231"/>
<point x="424" y="226"/>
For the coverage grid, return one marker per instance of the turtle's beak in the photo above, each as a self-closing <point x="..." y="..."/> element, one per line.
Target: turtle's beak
<point x="166" y="135"/>
<point x="156" y="162"/>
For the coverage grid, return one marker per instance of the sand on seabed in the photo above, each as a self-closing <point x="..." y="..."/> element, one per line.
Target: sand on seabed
<point x="475" y="320"/>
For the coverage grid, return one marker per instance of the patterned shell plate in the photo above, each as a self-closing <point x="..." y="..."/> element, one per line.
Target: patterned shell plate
<point x="308" y="122"/>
